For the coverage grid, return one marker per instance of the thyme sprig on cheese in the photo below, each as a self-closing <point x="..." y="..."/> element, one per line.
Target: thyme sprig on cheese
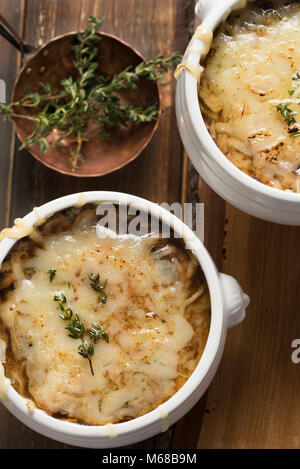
<point x="77" y="330"/>
<point x="68" y="313"/>
<point x="52" y="273"/>
<point x="86" y="350"/>
<point x="289" y="114"/>
<point x="97" y="287"/>
<point x="66" y="310"/>
<point x="96" y="332"/>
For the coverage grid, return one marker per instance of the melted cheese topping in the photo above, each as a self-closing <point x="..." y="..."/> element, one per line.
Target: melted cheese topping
<point x="20" y="229"/>
<point x="4" y="383"/>
<point x="249" y="71"/>
<point x="156" y="321"/>
<point x="82" y="200"/>
<point x="164" y="418"/>
<point x="204" y="34"/>
<point x="111" y="431"/>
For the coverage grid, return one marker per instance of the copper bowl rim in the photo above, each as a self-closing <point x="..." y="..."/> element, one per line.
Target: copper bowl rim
<point x="73" y="173"/>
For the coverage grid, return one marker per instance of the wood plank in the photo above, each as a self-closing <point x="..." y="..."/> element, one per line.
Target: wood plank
<point x="254" y="399"/>
<point x="154" y="26"/>
<point x="13" y="10"/>
<point x="256" y="391"/>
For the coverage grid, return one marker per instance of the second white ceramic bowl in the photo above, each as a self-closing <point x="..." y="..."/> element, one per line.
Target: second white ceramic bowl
<point x="224" y="177"/>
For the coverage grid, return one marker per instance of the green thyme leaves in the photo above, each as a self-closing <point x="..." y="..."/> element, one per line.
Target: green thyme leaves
<point x="86" y="350"/>
<point x="97" y="287"/>
<point x="296" y="77"/>
<point x="61" y="298"/>
<point x="52" y="273"/>
<point x="96" y="332"/>
<point x="289" y="116"/>
<point x="285" y="110"/>
<point x="86" y="104"/>
<point x="287" y="113"/>
<point x="66" y="310"/>
<point x="76" y="328"/>
<point x="67" y="315"/>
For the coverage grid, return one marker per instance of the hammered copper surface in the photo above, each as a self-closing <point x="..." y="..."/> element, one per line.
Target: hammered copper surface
<point x="54" y="62"/>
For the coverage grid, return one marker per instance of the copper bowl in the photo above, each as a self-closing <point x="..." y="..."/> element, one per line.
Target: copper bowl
<point x="54" y="62"/>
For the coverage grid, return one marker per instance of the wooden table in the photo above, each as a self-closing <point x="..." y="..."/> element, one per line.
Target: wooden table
<point x="253" y="401"/>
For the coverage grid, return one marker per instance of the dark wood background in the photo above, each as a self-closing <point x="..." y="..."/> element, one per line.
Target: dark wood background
<point x="253" y="401"/>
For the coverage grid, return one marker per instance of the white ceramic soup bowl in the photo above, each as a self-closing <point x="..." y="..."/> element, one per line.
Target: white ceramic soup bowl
<point x="224" y="177"/>
<point x="228" y="304"/>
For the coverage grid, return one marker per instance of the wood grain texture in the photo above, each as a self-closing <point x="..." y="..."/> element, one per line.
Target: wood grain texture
<point x="152" y="26"/>
<point x="9" y="63"/>
<point x="254" y="399"/>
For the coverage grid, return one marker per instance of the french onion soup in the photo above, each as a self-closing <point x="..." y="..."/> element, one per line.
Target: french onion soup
<point x="250" y="91"/>
<point x="100" y="330"/>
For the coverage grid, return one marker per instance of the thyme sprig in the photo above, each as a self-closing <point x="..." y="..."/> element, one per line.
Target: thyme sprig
<point x="97" y="287"/>
<point x="52" y="273"/>
<point x="96" y="332"/>
<point x="86" y="350"/>
<point x="296" y="77"/>
<point x="67" y="311"/>
<point x="289" y="114"/>
<point x="87" y="104"/>
<point x="77" y="330"/>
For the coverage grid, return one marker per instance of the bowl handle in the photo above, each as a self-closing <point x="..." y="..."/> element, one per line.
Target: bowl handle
<point x="203" y="8"/>
<point x="236" y="301"/>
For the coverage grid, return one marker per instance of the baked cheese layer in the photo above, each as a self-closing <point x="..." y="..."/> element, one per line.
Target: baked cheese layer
<point x="251" y="69"/>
